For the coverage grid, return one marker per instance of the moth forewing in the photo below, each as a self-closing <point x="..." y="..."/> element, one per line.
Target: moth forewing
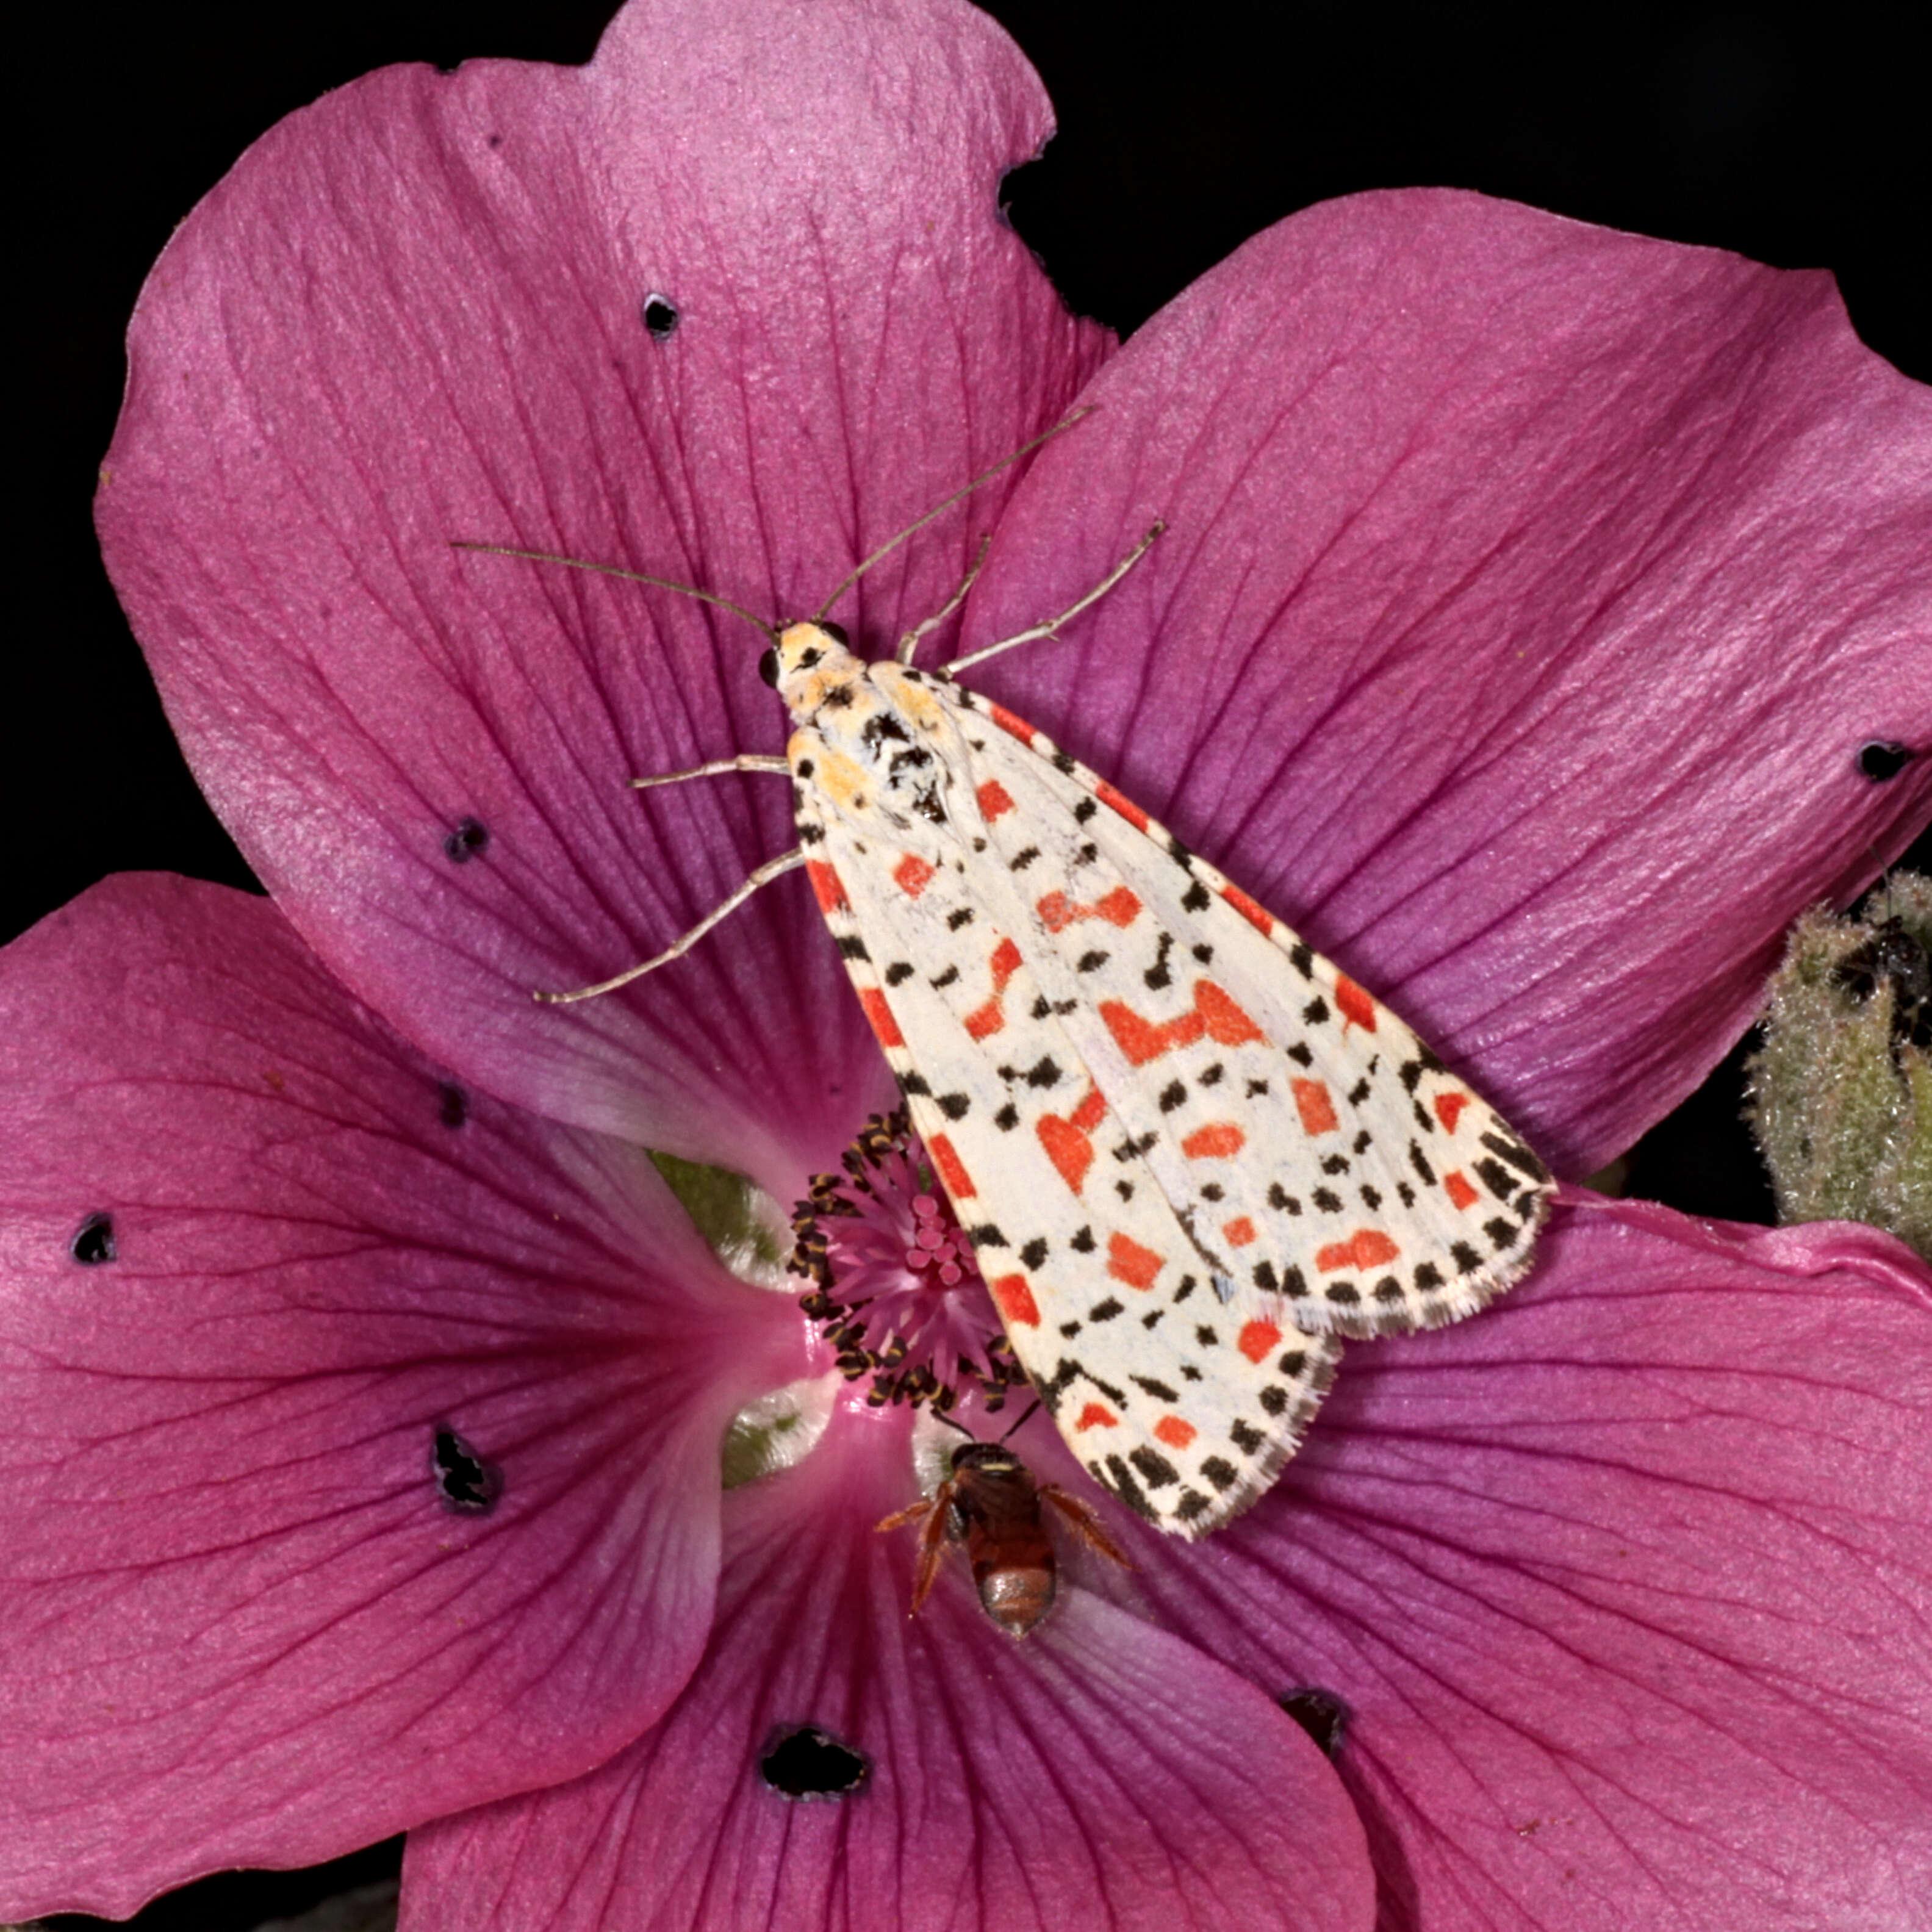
<point x="1184" y="1406"/>
<point x="1317" y="1151"/>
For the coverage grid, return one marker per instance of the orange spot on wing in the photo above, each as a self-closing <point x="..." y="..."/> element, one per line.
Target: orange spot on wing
<point x="1175" y="1433"/>
<point x="914" y="874"/>
<point x="1017" y="727"/>
<point x="1126" y="807"/>
<point x="1459" y="1191"/>
<point x="990" y="1018"/>
<point x="1313" y="1103"/>
<point x="1069" y="1150"/>
<point x="1356" y="1005"/>
<point x="1227" y="1025"/>
<point x="1216" y="1142"/>
<point x="1143" y="1039"/>
<point x="1127" y="1261"/>
<point x="986" y="1020"/>
<point x="1238" y="1232"/>
<point x="1118" y="907"/>
<point x="1088" y="1114"/>
<point x="1449" y="1109"/>
<point x="1094" y="1417"/>
<point x="1258" y="916"/>
<point x="825" y="886"/>
<point x="1215" y="1015"/>
<point x="880" y="1015"/>
<point x="1014" y="1299"/>
<point x="952" y="1168"/>
<point x="1256" y="1339"/>
<point x="993" y="799"/>
<point x="1367" y="1248"/>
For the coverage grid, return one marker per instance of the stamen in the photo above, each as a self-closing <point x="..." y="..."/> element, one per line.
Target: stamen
<point x="898" y="1291"/>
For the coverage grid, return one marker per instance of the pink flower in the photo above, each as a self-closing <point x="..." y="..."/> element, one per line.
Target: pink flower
<point x="363" y="1384"/>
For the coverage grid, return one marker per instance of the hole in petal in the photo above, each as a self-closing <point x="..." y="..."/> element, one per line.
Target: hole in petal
<point x="1322" y="1715"/>
<point x="454" y="1107"/>
<point x="1882" y="760"/>
<point x="495" y="140"/>
<point x="93" y="1242"/>
<point x="470" y="837"/>
<point x="660" y="317"/>
<point x="469" y="1484"/>
<point x="804" y="1762"/>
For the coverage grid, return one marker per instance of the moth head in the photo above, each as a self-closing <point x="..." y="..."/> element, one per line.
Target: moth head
<point x="808" y="659"/>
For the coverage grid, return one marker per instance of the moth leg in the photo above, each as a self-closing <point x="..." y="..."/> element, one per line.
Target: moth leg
<point x="746" y="761"/>
<point x="771" y="869"/>
<point x="1053" y="624"/>
<point x="1085" y="1522"/>
<point x="909" y="642"/>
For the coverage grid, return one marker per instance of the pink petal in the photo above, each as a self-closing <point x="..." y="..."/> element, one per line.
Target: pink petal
<point x="1098" y="1773"/>
<point x="418" y="312"/>
<point x="1623" y="1585"/>
<point x="243" y="1623"/>
<point x="1529" y="593"/>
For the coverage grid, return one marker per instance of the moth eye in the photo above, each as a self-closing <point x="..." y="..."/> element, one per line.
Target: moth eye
<point x="768" y="668"/>
<point x="837" y="635"/>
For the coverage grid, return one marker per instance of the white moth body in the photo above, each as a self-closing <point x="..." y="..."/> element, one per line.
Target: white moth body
<point x="1191" y="1154"/>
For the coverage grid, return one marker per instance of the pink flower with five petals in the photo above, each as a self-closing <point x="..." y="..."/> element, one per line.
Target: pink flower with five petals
<point x="363" y="1383"/>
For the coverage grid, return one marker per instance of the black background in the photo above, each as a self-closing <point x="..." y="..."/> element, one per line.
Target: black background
<point x="1183" y="130"/>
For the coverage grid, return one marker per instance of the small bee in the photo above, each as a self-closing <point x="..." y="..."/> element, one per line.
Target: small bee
<point x="991" y="1504"/>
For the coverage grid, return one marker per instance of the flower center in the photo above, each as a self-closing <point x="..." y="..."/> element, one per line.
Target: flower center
<point x="898" y="1290"/>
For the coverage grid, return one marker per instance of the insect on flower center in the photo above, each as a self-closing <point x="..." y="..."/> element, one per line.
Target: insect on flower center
<point x="897" y="1289"/>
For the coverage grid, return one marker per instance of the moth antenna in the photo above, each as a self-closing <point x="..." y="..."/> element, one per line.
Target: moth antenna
<point x="951" y="1422"/>
<point x="629" y="577"/>
<point x="892" y="543"/>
